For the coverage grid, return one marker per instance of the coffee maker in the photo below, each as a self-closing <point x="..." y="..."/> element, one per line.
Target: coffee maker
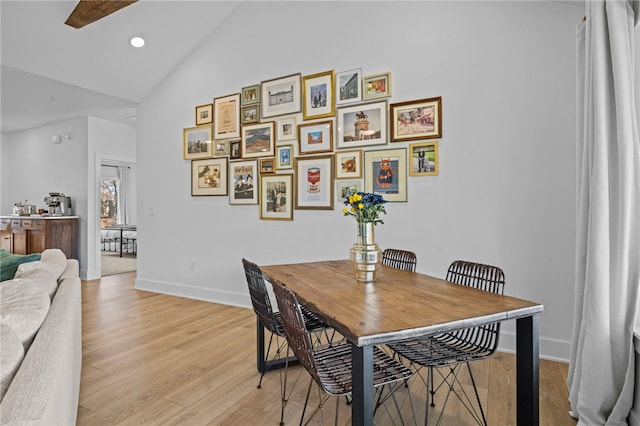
<point x="59" y="204"/>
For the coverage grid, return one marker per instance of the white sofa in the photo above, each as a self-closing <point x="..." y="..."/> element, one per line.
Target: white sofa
<point x="46" y="385"/>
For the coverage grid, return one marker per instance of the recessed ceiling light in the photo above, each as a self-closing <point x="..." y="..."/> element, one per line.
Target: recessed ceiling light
<point x="137" y="42"/>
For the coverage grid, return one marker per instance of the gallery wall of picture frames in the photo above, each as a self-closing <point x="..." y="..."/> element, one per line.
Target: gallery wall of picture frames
<point x="308" y="141"/>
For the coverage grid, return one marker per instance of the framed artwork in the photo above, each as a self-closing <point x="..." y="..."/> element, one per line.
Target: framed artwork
<point x="280" y="96"/>
<point x="314" y="183"/>
<point x="318" y="95"/>
<point x="385" y="173"/>
<point x="196" y="142"/>
<point x="348" y="164"/>
<point x="204" y="114"/>
<point x="250" y="114"/>
<point x="209" y="177"/>
<point x="423" y="159"/>
<point x="346" y="187"/>
<point x="421" y="119"/>
<point x="235" y="149"/>
<point x="286" y="128"/>
<point x="362" y="125"/>
<point x="250" y="95"/>
<point x="284" y="157"/>
<point x="267" y="165"/>
<point x="349" y="86"/>
<point x="376" y="86"/>
<point x="243" y="182"/>
<point x="316" y="137"/>
<point x="258" y="140"/>
<point x="221" y="148"/>
<point x="276" y="197"/>
<point x="226" y="117"/>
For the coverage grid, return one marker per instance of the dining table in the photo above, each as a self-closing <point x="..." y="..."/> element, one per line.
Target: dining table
<point x="400" y="305"/>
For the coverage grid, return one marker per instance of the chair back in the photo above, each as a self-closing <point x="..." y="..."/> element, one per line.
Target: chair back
<point x="399" y="259"/>
<point x="483" y="277"/>
<point x="260" y="296"/>
<point x="298" y="336"/>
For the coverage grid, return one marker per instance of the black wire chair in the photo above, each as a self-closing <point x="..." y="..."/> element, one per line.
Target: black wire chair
<point x="330" y="365"/>
<point x="453" y="349"/>
<point x="399" y="259"/>
<point x="272" y="322"/>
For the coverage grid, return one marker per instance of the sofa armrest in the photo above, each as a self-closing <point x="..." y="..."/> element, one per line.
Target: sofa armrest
<point x="46" y="387"/>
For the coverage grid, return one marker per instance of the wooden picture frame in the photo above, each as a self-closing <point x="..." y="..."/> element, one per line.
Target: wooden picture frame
<point x="376" y="86"/>
<point x="314" y="183"/>
<point x="423" y="159"/>
<point x="204" y="114"/>
<point x="250" y="114"/>
<point x="235" y="149"/>
<point x="318" y="94"/>
<point x="362" y="125"/>
<point x="221" y="148"/>
<point x="226" y="117"/>
<point x="284" y="157"/>
<point x="316" y="137"/>
<point x="280" y="96"/>
<point x="348" y="164"/>
<point x="209" y="177"/>
<point x="286" y="128"/>
<point x="276" y="197"/>
<point x="196" y="142"/>
<point x="243" y="182"/>
<point x="258" y="140"/>
<point x="250" y="95"/>
<point x="419" y="119"/>
<point x="349" y="86"/>
<point x="267" y="165"/>
<point x="346" y="187"/>
<point x="385" y="173"/>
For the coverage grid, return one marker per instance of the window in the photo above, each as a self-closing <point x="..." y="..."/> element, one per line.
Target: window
<point x="108" y="202"/>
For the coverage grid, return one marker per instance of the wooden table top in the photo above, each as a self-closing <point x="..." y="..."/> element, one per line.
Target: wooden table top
<point x="397" y="305"/>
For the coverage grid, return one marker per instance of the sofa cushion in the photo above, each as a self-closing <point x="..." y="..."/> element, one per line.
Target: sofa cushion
<point x="23" y="307"/>
<point x="41" y="278"/>
<point x="53" y="261"/>
<point x="9" y="263"/>
<point x="11" y="355"/>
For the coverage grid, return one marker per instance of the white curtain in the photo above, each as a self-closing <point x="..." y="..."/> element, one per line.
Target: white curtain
<point x="601" y="371"/>
<point x="124" y="196"/>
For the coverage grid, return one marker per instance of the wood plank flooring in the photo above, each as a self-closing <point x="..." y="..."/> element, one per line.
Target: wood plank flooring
<point x="162" y="360"/>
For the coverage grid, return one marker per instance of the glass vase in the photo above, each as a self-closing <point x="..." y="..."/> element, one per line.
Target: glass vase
<point x="365" y="254"/>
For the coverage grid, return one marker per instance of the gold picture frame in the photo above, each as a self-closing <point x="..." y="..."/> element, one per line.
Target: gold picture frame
<point x="197" y="142"/>
<point x="204" y="114"/>
<point x="385" y="173"/>
<point x="423" y="159"/>
<point x="209" y="177"/>
<point x="276" y="197"/>
<point x="319" y="96"/>
<point x="226" y="117"/>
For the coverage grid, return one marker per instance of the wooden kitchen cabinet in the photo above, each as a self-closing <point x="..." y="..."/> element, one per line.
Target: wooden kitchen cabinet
<point x="34" y="235"/>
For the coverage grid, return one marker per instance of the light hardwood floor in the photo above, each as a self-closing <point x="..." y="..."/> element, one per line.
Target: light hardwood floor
<point x="162" y="360"/>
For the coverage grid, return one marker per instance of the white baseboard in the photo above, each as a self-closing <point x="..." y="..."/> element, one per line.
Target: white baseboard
<point x="197" y="293"/>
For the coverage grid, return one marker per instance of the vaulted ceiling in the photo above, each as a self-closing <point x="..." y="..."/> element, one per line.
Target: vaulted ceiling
<point x="51" y="71"/>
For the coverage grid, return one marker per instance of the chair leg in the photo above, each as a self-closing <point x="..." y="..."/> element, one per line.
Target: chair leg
<point x="473" y="381"/>
<point x="266" y="364"/>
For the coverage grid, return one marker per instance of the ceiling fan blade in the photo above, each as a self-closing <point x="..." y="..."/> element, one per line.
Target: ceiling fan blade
<point x="88" y="11"/>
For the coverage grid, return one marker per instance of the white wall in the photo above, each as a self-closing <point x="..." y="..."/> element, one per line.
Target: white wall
<point x="107" y="141"/>
<point x="33" y="166"/>
<point x="505" y="194"/>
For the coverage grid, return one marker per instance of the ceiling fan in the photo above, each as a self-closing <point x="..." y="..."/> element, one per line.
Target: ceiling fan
<point x="88" y="11"/>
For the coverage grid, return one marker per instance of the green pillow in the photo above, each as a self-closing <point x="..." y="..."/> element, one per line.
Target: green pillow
<point x="9" y="263"/>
